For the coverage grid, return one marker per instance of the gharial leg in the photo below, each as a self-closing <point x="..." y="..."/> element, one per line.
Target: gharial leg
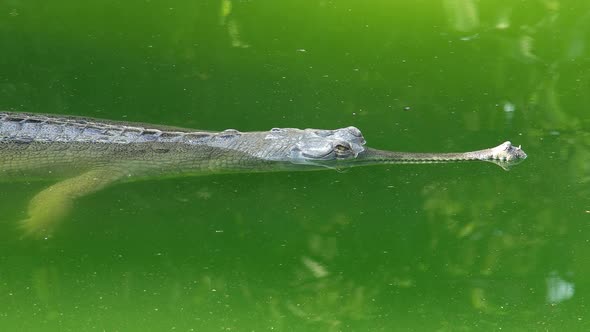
<point x="50" y="206"/>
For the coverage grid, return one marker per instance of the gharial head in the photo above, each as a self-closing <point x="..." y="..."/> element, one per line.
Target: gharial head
<point x="317" y="145"/>
<point x="344" y="147"/>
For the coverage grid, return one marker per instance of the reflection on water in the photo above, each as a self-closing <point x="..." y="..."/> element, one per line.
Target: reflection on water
<point x="462" y="14"/>
<point x="558" y="290"/>
<point x="233" y="28"/>
<point x="423" y="247"/>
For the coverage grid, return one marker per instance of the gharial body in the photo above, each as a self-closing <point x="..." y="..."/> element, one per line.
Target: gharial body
<point x="86" y="155"/>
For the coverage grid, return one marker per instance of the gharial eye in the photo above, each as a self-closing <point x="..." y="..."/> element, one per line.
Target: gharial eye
<point x="341" y="149"/>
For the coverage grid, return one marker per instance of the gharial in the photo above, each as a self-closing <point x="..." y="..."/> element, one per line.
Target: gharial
<point x="86" y="155"/>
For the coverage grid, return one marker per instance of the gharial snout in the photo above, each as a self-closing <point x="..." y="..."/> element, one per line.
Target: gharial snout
<point x="508" y="152"/>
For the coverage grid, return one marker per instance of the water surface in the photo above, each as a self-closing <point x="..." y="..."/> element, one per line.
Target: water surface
<point x="410" y="247"/>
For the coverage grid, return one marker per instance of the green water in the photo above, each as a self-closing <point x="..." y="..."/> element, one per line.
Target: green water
<point x="456" y="247"/>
